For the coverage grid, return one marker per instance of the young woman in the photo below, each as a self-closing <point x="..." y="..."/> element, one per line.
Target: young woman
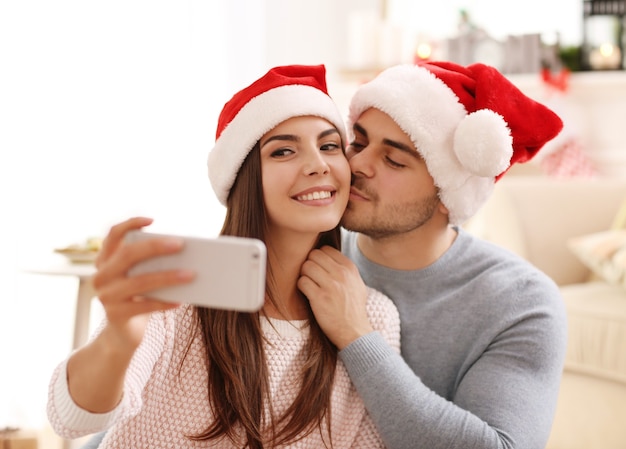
<point x="163" y="375"/>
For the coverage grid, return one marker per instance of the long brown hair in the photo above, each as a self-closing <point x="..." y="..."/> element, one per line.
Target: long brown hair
<point x="238" y="374"/>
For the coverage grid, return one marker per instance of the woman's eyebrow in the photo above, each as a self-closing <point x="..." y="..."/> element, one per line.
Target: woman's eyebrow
<point x="294" y="138"/>
<point x="328" y="132"/>
<point x="288" y="137"/>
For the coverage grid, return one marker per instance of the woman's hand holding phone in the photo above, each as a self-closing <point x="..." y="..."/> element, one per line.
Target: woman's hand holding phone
<point x="139" y="273"/>
<point x="124" y="298"/>
<point x="96" y="372"/>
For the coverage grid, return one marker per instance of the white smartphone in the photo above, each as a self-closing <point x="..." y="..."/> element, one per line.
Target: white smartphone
<point x="230" y="271"/>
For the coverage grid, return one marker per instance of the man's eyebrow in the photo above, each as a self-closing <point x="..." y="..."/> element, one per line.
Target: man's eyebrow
<point x="389" y="142"/>
<point x="402" y="147"/>
<point x="358" y="128"/>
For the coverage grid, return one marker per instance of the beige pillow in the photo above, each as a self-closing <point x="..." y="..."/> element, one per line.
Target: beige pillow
<point x="619" y="222"/>
<point x="604" y="253"/>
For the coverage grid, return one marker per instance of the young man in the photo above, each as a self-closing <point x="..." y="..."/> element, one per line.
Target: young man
<point x="483" y="333"/>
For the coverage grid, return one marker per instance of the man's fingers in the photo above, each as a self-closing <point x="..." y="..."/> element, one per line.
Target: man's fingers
<point x="314" y="272"/>
<point x="307" y="286"/>
<point x="327" y="257"/>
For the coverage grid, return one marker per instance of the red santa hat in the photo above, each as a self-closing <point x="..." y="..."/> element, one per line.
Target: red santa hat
<point x="469" y="124"/>
<point x="282" y="93"/>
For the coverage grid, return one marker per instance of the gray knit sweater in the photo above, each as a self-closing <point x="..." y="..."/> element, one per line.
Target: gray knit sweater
<point x="483" y="339"/>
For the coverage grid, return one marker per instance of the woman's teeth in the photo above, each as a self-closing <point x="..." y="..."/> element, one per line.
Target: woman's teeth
<point x="314" y="196"/>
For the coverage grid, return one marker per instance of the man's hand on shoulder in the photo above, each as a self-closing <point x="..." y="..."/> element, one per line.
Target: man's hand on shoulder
<point x="337" y="294"/>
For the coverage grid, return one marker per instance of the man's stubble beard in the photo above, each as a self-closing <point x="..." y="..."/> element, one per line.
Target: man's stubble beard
<point x="395" y="219"/>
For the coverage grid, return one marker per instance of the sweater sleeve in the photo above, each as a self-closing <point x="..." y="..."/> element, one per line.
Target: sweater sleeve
<point x="71" y="421"/>
<point x="367" y="436"/>
<point x="505" y="400"/>
<point x="67" y="418"/>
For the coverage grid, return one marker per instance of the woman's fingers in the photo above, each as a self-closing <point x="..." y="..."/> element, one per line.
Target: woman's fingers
<point x="137" y="305"/>
<point x="116" y="235"/>
<point x="124" y="289"/>
<point x="129" y="254"/>
<point x="126" y="299"/>
<point x="122" y="296"/>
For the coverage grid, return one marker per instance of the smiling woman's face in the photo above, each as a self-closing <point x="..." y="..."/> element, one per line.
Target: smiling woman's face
<point x="306" y="176"/>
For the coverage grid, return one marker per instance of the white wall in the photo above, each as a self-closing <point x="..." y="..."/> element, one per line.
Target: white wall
<point x="108" y="110"/>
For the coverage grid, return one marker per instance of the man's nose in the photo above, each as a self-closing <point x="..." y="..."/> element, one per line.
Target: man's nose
<point x="361" y="163"/>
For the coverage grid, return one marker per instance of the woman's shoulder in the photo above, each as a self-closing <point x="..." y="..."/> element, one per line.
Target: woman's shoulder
<point x="381" y="307"/>
<point x="384" y="316"/>
<point x="377" y="299"/>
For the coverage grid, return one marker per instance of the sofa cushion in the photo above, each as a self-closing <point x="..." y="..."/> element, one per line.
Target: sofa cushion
<point x="536" y="216"/>
<point x="604" y="253"/>
<point x="589" y="415"/>
<point x="597" y="330"/>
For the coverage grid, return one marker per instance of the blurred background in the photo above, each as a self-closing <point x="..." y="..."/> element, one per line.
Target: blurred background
<point x="108" y="110"/>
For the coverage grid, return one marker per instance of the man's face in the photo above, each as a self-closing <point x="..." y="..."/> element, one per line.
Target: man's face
<point x="392" y="191"/>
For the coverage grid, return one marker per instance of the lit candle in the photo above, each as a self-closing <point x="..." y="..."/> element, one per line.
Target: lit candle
<point x="607" y="56"/>
<point x="423" y="52"/>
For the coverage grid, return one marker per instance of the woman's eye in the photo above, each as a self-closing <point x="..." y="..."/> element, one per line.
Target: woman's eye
<point x="332" y="146"/>
<point x="281" y="152"/>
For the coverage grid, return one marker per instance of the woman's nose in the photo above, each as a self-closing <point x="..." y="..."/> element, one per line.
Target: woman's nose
<point x="316" y="164"/>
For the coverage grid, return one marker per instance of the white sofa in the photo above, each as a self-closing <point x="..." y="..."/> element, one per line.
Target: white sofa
<point x="535" y="216"/>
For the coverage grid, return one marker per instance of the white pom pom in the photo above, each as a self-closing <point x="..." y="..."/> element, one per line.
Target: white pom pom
<point x="483" y="143"/>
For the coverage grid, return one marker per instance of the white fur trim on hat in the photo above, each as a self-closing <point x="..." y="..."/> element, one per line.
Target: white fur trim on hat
<point x="261" y="114"/>
<point x="457" y="154"/>
<point x="483" y="143"/>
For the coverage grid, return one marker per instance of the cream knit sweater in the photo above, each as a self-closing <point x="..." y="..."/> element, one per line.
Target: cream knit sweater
<point x="160" y="405"/>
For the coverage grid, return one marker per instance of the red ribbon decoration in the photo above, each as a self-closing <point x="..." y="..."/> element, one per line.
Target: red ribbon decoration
<point x="560" y="81"/>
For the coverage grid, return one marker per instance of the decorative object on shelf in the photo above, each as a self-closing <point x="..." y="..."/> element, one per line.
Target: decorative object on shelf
<point x="515" y="54"/>
<point x="564" y="156"/>
<point x="362" y="40"/>
<point x="423" y="51"/>
<point x="605" y="57"/>
<point x="568" y="161"/>
<point x="522" y="53"/>
<point x="85" y="252"/>
<point x="558" y="81"/>
<point x="570" y="57"/>
<point x="604" y="36"/>
<point x="15" y="438"/>
<point x="373" y="41"/>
